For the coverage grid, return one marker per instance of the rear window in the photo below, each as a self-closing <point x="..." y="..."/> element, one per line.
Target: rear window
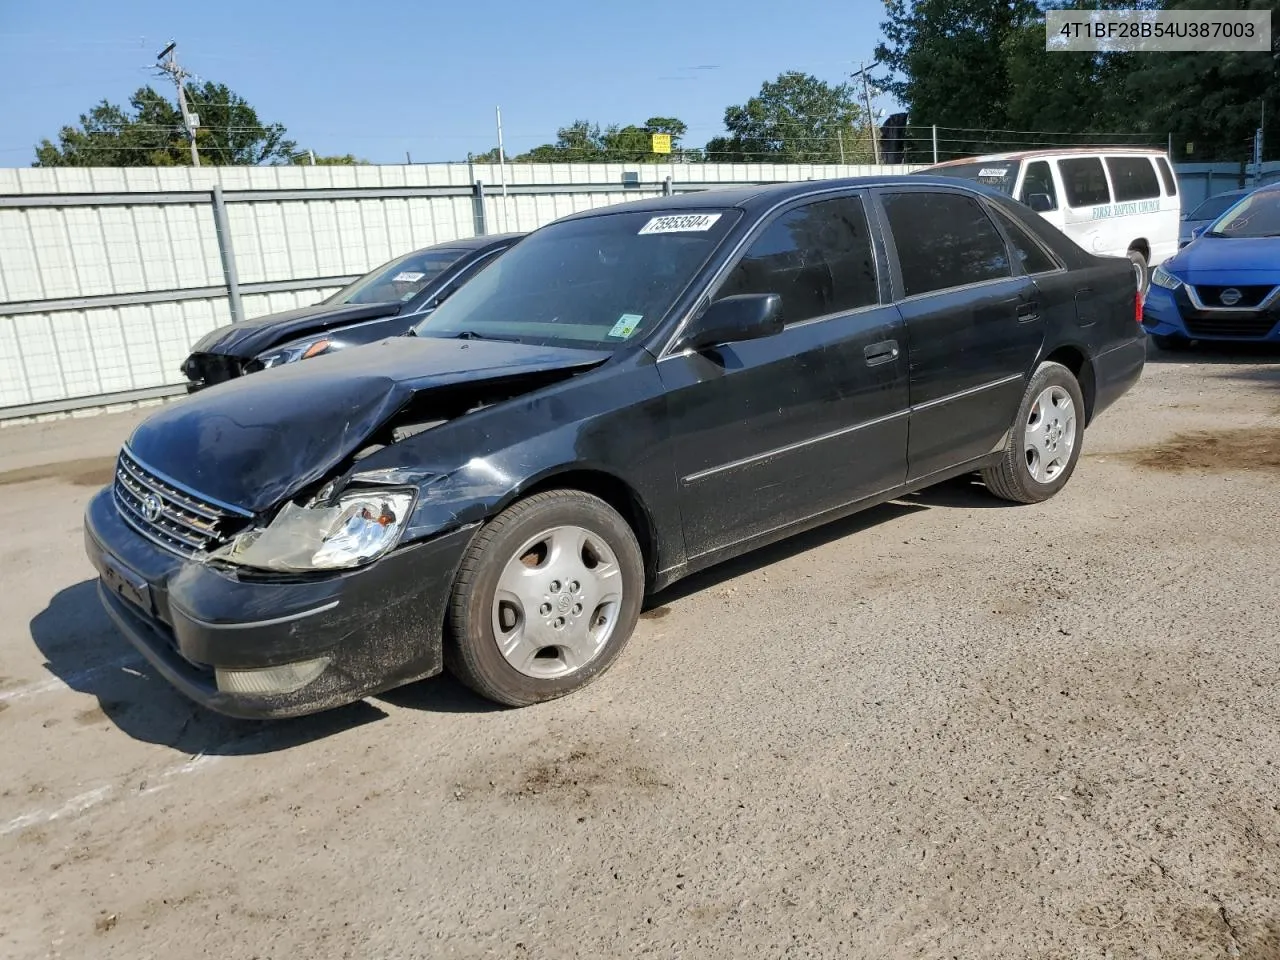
<point x="1084" y="182"/>
<point x="1133" y="178"/>
<point x="1000" y="174"/>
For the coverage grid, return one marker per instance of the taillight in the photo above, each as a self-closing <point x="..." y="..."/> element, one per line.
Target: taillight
<point x="1137" y="306"/>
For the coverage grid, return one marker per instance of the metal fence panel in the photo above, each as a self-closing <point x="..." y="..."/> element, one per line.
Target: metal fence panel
<point x="108" y="276"/>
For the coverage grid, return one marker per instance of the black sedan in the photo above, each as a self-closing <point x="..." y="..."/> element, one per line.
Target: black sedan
<point x="628" y="395"/>
<point x="385" y="302"/>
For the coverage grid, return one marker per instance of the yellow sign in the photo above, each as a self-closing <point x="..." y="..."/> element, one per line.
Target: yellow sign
<point x="662" y="143"/>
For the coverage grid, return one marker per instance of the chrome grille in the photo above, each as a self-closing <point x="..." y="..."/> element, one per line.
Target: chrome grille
<point x="168" y="514"/>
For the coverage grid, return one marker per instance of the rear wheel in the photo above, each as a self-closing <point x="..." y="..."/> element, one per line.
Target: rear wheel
<point x="545" y="599"/>
<point x="1141" y="272"/>
<point x="1044" y="444"/>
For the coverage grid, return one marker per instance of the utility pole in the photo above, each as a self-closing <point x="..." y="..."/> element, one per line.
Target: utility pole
<point x="871" y="120"/>
<point x="169" y="64"/>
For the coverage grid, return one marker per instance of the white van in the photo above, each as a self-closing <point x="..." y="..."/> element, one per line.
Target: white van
<point x="1112" y="201"/>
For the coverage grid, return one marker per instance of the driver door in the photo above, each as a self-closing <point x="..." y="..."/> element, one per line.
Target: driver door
<point x="767" y="433"/>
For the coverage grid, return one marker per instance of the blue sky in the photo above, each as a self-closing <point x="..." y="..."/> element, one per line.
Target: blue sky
<point x="377" y="79"/>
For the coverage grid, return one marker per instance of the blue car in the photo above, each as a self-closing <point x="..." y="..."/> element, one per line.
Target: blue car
<point x="1225" y="284"/>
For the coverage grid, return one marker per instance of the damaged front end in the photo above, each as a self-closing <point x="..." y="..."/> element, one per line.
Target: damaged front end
<point x="362" y="510"/>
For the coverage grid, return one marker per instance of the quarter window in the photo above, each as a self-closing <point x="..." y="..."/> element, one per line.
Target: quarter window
<point x="1039" y="180"/>
<point x="1166" y="174"/>
<point x="1133" y="178"/>
<point x="944" y="240"/>
<point x="1030" y="253"/>
<point x="817" y="257"/>
<point x="1084" y="182"/>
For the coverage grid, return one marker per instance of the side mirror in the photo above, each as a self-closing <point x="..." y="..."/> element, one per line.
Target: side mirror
<point x="1197" y="231"/>
<point x="1039" y="202"/>
<point x="746" y="316"/>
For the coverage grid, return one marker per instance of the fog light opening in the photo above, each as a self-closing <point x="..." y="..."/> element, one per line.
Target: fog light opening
<point x="286" y="678"/>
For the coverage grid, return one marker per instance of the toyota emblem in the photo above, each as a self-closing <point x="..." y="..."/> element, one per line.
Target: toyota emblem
<point x="1230" y="297"/>
<point x="151" y="508"/>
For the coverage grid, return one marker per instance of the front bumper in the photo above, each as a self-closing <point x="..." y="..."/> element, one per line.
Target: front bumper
<point x="379" y="627"/>
<point x="1171" y="313"/>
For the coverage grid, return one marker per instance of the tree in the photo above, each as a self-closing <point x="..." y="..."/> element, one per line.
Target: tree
<point x="152" y="133"/>
<point x="586" y="142"/>
<point x="1211" y="103"/>
<point x="343" y="160"/>
<point x="796" y="118"/>
<point x="947" y="60"/>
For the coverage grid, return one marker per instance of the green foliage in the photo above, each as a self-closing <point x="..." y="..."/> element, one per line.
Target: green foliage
<point x="981" y="65"/>
<point x="344" y="160"/>
<point x="796" y="118"/>
<point x="151" y="133"/>
<point x="585" y="142"/>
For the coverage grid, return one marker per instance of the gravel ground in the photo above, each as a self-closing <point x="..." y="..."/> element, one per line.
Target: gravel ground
<point x="943" y="728"/>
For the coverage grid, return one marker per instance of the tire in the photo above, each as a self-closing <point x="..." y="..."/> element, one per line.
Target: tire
<point x="1164" y="341"/>
<point x="1019" y="478"/>
<point x="556" y="640"/>
<point x="1142" y="272"/>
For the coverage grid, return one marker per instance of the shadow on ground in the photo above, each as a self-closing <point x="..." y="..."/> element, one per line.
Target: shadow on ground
<point x="810" y="540"/>
<point x="145" y="707"/>
<point x="1210" y="353"/>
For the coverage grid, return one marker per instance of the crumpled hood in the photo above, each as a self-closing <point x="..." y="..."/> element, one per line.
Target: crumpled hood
<point x="248" y="338"/>
<point x="255" y="440"/>
<point x="1222" y="260"/>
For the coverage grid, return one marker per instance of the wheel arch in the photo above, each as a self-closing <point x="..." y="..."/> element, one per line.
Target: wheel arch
<point x="1076" y="359"/>
<point x="1142" y="246"/>
<point x="609" y="487"/>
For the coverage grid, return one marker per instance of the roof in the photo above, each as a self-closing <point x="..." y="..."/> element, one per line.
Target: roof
<point x="1055" y="152"/>
<point x="476" y="243"/>
<point x="753" y="199"/>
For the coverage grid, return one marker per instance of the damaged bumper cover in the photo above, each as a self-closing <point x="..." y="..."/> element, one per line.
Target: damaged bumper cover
<point x="214" y="634"/>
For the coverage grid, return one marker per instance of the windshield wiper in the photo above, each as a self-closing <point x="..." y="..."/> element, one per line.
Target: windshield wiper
<point x="476" y="335"/>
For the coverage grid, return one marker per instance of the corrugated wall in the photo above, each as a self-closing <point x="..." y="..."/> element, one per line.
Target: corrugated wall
<point x="108" y="276"/>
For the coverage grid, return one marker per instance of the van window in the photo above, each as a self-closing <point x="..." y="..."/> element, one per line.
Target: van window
<point x="1039" y="180"/>
<point x="944" y="240"/>
<point x="1133" y="178"/>
<point x="1166" y="174"/>
<point x="1084" y="182"/>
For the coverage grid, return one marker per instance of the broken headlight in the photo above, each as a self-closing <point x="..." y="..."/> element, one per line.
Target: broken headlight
<point x="293" y="352"/>
<point x="356" y="528"/>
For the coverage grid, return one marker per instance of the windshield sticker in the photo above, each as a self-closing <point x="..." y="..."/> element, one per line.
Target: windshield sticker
<point x="626" y="325"/>
<point x="994" y="172"/>
<point x="689" y="223"/>
<point x="407" y="276"/>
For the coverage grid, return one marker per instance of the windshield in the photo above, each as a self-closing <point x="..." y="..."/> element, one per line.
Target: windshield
<point x="1000" y="174"/>
<point x="1214" y="207"/>
<point x="593" y="282"/>
<point x="1257" y="215"/>
<point x="401" y="279"/>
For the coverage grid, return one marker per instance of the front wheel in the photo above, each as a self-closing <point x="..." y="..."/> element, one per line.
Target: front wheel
<point x="1045" y="441"/>
<point x="545" y="599"/>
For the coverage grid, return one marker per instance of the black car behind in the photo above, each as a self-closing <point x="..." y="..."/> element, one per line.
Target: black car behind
<point x="627" y="396"/>
<point x="385" y="302"/>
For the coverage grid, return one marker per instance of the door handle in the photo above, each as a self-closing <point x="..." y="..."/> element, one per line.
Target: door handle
<point x="1028" y="311"/>
<point x="883" y="352"/>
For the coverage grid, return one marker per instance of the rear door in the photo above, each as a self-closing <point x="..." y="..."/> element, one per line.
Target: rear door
<point x="973" y="322"/>
<point x="770" y="432"/>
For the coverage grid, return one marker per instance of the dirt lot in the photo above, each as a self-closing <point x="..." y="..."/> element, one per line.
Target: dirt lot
<point x="945" y="728"/>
